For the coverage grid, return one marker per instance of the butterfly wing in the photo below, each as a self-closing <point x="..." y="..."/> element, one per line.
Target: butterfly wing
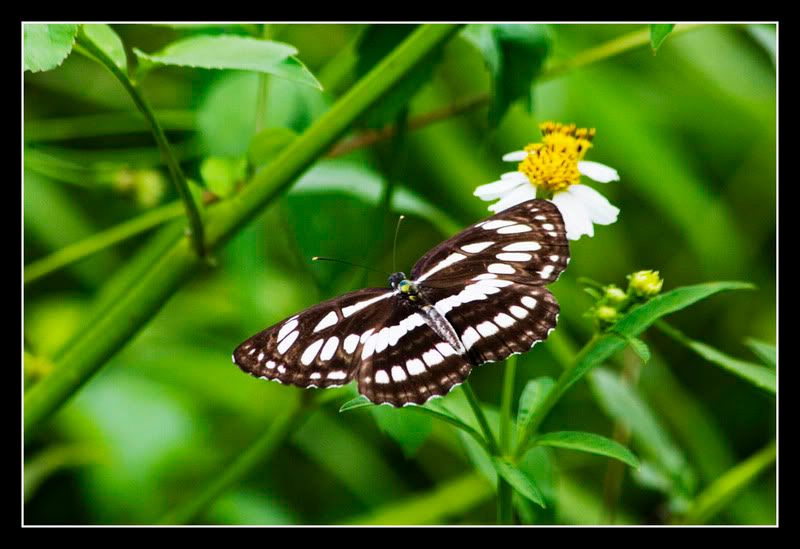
<point x="320" y="346"/>
<point x="526" y="243"/>
<point x="488" y="281"/>
<point x="371" y="335"/>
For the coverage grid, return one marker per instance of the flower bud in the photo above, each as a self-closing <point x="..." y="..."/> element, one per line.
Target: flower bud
<point x="645" y="284"/>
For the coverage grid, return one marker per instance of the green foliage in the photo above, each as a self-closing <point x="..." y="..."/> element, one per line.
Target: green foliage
<point x="234" y="53"/>
<point x="514" y="55"/>
<point x="658" y="33"/>
<point x="588" y="442"/>
<point x="373" y="45"/>
<point x="757" y="375"/>
<point x="108" y="41"/>
<point x="532" y="397"/>
<point x="521" y="482"/>
<point x="766" y="352"/>
<point x="214" y="446"/>
<point x="46" y="46"/>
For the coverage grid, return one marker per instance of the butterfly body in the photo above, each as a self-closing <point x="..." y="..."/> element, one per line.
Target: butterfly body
<point x="478" y="297"/>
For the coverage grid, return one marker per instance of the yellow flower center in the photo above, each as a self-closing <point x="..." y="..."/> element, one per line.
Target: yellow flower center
<point x="553" y="165"/>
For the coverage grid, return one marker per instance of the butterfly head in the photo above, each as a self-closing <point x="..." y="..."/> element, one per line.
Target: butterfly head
<point x="398" y="281"/>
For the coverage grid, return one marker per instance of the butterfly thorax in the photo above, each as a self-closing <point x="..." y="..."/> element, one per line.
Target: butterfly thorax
<point x="408" y="289"/>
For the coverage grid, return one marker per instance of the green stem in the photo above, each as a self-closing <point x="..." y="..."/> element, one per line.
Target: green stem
<point x="506" y="423"/>
<point x="263" y="79"/>
<point x="612" y="48"/>
<point x="454" y="422"/>
<point x="99" y="241"/>
<point x="553" y="396"/>
<point x="722" y="491"/>
<point x="175" y="171"/>
<point x="129" y="307"/>
<point x="479" y="415"/>
<point x="254" y="456"/>
<point x="505" y="510"/>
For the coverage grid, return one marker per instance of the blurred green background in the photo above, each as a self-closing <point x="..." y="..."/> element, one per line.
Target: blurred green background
<point x="691" y="131"/>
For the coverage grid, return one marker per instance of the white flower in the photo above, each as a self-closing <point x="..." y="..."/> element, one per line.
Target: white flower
<point x="554" y="167"/>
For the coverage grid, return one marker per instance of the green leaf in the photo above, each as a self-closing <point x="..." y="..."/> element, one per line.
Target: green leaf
<point x="642" y="317"/>
<point x="46" y="46"/>
<point x="267" y="144"/>
<point x="766" y="352"/>
<point x="657" y="35"/>
<point x="722" y="491"/>
<point x="514" y="55"/>
<point x="621" y="402"/>
<point x="588" y="442"/>
<point x="638" y="346"/>
<point x="359" y="402"/>
<point x="518" y="480"/>
<point x="374" y="44"/>
<point x="758" y="375"/>
<point x="407" y="427"/>
<point x="108" y="41"/>
<point x="531" y="398"/>
<point x="221" y="174"/>
<point x="234" y="52"/>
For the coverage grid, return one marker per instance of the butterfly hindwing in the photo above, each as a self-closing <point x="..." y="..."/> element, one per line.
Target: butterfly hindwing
<point x="497" y="317"/>
<point x="407" y="362"/>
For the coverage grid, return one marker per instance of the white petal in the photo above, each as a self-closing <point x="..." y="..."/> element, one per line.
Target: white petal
<point x="517" y="196"/>
<point x="516" y="156"/>
<point x="597" y="171"/>
<point x="600" y="210"/>
<point x="516" y="176"/>
<point x="575" y="217"/>
<point x="496" y="189"/>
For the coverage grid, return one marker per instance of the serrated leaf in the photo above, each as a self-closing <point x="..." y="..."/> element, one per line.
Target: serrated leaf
<point x="766" y="352"/>
<point x="639" y="319"/>
<point x="359" y="402"/>
<point x="758" y="375"/>
<point x="235" y="53"/>
<point x="267" y="144"/>
<point x="108" y="41"/>
<point x="374" y="44"/>
<point x="518" y="480"/>
<point x="639" y="347"/>
<point x="408" y="428"/>
<point x="588" y="442"/>
<point x="46" y="46"/>
<point x="531" y="398"/>
<point x="658" y="33"/>
<point x="514" y="55"/>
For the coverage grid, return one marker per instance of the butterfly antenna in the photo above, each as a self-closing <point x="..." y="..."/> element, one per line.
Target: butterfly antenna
<point x="394" y="245"/>
<point x="333" y="260"/>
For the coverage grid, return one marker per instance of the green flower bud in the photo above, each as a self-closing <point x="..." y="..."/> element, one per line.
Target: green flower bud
<point x="614" y="295"/>
<point x="606" y="314"/>
<point x="645" y="284"/>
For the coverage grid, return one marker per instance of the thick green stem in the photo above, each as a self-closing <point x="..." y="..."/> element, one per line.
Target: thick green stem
<point x="257" y="454"/>
<point x="130" y="307"/>
<point x="181" y="185"/>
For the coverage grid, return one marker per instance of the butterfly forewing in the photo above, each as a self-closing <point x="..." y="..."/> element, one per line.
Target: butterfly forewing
<point x="526" y="243"/>
<point x="320" y="346"/>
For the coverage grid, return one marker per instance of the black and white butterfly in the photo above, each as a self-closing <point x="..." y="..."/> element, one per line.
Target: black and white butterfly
<point x="477" y="297"/>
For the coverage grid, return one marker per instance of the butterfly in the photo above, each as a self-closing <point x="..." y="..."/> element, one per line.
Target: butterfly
<point x="477" y="297"/>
